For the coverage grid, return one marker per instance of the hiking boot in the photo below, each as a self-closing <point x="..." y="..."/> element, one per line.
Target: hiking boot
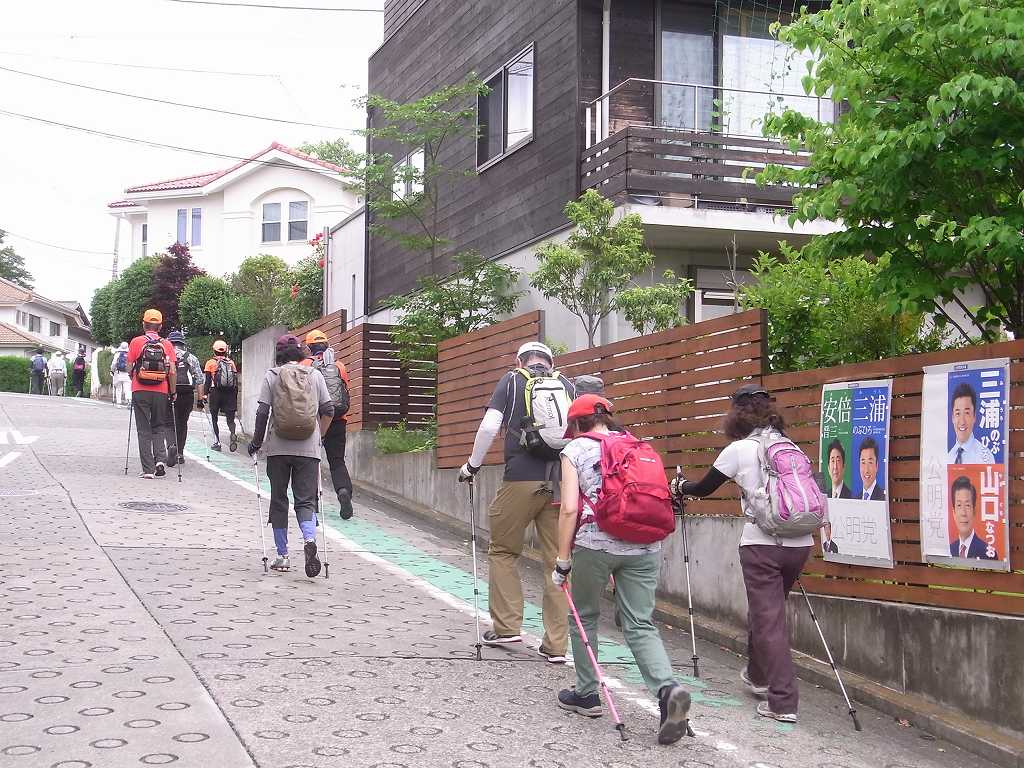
<point x="490" y="637"/>
<point x="147" y="475"/>
<point x="765" y="710"/>
<point x="588" y="706"/>
<point x="761" y="691"/>
<point x="233" y="445"/>
<point x="551" y="656"/>
<point x="216" y="446"/>
<point x="312" y="561"/>
<point x="674" y="703"/>
<point x="345" y="500"/>
<point x="281" y="564"/>
<point x="161" y="470"/>
<point x="172" y="456"/>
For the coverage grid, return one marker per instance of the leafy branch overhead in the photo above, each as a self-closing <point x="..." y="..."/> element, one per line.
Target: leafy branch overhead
<point x="924" y="167"/>
<point x="594" y="272"/>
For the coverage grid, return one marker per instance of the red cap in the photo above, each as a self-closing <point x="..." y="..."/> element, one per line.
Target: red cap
<point x="588" y="405"/>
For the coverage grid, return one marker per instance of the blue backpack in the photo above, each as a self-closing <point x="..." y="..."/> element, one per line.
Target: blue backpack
<point x="38" y="364"/>
<point x="122" y="362"/>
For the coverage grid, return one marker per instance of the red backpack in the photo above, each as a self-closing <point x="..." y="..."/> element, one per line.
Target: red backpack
<point x="634" y="503"/>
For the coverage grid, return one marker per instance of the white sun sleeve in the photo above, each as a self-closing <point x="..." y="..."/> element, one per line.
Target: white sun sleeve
<point x="489" y="427"/>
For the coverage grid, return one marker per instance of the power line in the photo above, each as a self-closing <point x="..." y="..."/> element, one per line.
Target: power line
<point x="51" y="245"/>
<point x="140" y="66"/>
<point x="277" y="7"/>
<point x="160" y="145"/>
<point x="176" y="103"/>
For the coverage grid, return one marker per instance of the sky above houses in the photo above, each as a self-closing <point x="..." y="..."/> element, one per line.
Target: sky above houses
<point x="55" y="182"/>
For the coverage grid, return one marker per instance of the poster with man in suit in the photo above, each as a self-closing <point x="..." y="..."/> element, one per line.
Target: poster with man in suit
<point x="964" y="490"/>
<point x="854" y="439"/>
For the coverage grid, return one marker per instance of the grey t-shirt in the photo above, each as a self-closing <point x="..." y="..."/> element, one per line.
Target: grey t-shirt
<point x="585" y="455"/>
<point x="510" y="398"/>
<point x="274" y="445"/>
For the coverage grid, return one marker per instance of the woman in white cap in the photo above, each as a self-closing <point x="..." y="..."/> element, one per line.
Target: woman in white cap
<point x="121" y="377"/>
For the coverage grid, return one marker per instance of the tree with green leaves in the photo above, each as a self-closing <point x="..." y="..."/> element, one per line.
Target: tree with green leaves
<point x="263" y="279"/>
<point x="172" y="273"/>
<point x="445" y="307"/>
<point x="100" y="315"/>
<point x="924" y="167"/>
<point x="194" y="304"/>
<point x="403" y="187"/>
<point x="131" y="295"/>
<point x="828" y="312"/>
<point x="594" y="272"/>
<point x="12" y="266"/>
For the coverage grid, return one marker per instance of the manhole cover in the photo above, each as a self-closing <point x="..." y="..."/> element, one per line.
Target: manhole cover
<point x="152" y="506"/>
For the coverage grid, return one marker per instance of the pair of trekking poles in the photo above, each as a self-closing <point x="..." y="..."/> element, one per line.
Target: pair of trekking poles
<point x="174" y="428"/>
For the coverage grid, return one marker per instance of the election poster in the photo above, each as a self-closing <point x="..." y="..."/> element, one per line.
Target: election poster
<point x="854" y="462"/>
<point x="964" y="460"/>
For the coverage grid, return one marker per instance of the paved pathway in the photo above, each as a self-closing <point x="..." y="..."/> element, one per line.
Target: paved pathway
<point x="132" y="635"/>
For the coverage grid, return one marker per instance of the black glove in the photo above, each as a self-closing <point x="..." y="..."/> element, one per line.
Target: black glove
<point x="254" y="448"/>
<point x="466" y="472"/>
<point x="201" y="404"/>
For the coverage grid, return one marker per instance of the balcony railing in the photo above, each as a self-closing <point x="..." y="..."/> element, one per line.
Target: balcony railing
<point x="661" y="143"/>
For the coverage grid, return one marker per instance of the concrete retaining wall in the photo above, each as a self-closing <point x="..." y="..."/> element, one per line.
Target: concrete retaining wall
<point x="969" y="662"/>
<point x="257" y="357"/>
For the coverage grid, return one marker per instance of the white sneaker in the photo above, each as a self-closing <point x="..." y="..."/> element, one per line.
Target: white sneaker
<point x="761" y="691"/>
<point x="147" y="476"/>
<point x="764" y="710"/>
<point x="281" y="564"/>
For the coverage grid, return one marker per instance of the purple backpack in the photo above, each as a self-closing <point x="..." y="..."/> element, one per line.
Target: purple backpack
<point x="789" y="503"/>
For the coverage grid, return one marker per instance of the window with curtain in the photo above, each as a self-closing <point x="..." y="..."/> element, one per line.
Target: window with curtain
<point x="145" y="238"/>
<point x="271" y="223"/>
<point x="54" y="329"/>
<point x="505" y="115"/>
<point x="197" y="227"/>
<point x="182" y="235"/>
<point x="687" y="56"/>
<point x="34" y="323"/>
<point x="298" y="220"/>
<point x="404" y="187"/>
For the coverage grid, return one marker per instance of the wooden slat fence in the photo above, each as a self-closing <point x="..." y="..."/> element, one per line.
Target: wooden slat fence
<point x="382" y="391"/>
<point x="468" y="367"/>
<point x="673" y="388"/>
<point x="913" y="581"/>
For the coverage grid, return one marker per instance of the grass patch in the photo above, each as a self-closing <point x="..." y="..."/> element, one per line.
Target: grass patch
<point x="401" y="439"/>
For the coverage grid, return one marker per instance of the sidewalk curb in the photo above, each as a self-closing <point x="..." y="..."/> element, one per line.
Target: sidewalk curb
<point x="970" y="735"/>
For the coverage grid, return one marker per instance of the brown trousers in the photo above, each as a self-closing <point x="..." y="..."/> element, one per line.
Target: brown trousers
<point x="518" y="504"/>
<point x="769" y="572"/>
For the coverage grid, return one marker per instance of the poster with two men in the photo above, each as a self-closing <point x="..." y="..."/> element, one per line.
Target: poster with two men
<point x="964" y="461"/>
<point x="854" y="462"/>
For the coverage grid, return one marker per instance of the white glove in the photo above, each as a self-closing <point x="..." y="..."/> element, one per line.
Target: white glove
<point x="466" y="472"/>
<point x="561" y="573"/>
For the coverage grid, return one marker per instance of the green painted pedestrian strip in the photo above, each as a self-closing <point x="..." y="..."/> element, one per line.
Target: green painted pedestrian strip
<point x="453" y="580"/>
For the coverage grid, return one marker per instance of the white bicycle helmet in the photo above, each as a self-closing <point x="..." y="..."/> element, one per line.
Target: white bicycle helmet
<point x="535" y="348"/>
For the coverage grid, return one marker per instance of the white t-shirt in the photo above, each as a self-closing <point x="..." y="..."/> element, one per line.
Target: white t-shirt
<point x="740" y="461"/>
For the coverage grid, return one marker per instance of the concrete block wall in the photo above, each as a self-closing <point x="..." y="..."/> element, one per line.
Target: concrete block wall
<point x="257" y="357"/>
<point x="966" y="661"/>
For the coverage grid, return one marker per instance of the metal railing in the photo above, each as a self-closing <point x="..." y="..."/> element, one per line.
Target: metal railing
<point x="692" y="106"/>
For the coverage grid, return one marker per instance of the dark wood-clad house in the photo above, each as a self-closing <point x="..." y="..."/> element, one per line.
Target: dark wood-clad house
<point x="657" y="104"/>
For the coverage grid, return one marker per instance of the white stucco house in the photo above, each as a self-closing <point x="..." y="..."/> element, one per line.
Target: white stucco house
<point x="29" y="321"/>
<point x="273" y="202"/>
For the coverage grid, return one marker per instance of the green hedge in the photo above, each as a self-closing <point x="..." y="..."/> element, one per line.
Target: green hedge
<point x="69" y="388"/>
<point x="104" y="358"/>
<point x="14" y="373"/>
<point x="401" y="439"/>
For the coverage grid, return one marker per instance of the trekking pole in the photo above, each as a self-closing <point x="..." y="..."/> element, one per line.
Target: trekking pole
<point x="206" y="436"/>
<point x="259" y="508"/>
<point x="321" y="518"/>
<point x="476" y="581"/>
<point x="831" y="661"/>
<point x="174" y="427"/>
<point x="619" y="725"/>
<point x="686" y="564"/>
<point x="128" y="446"/>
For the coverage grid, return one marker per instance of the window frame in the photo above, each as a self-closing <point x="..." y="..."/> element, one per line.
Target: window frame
<point x="305" y="237"/>
<point x="409" y="188"/>
<point x="52" y="326"/>
<point x="181" y="225"/>
<point x="508" y="149"/>
<point x="38" y="323"/>
<point x="145" y="238"/>
<point x="196" y="227"/>
<point x="264" y="222"/>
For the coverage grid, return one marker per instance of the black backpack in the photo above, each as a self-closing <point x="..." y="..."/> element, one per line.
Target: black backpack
<point x="152" y="366"/>
<point x="183" y="371"/>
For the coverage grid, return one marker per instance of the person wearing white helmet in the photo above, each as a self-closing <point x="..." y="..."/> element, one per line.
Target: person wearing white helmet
<point x="531" y="403"/>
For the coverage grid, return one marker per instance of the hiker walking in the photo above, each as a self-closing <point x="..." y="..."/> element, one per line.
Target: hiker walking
<point x="321" y="357"/>
<point x="152" y="362"/>
<point x="58" y="371"/>
<point x="188" y="387"/>
<point x="78" y="369"/>
<point x="222" y="392"/>
<point x="596" y="540"/>
<point x="37" y="373"/>
<point x="297" y="398"/>
<point x="120" y="379"/>
<point x="531" y="402"/>
<point x="770" y="564"/>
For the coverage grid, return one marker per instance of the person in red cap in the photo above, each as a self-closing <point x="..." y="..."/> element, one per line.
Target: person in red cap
<point x="592" y="555"/>
<point x="770" y="566"/>
<point x="151" y="363"/>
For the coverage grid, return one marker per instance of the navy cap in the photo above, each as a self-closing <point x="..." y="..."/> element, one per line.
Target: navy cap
<point x="749" y="390"/>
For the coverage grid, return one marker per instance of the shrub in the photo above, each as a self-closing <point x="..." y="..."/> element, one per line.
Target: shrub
<point x="104" y="358"/>
<point x="69" y="387"/>
<point x="401" y="439"/>
<point x="14" y="374"/>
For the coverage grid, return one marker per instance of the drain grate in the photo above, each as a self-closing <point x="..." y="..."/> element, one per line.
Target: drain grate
<point x="152" y="506"/>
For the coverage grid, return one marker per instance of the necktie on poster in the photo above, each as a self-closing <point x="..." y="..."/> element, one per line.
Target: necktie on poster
<point x="960" y="455"/>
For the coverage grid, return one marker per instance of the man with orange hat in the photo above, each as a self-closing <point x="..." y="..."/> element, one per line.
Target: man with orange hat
<point x="222" y="391"/>
<point x="321" y="357"/>
<point x="151" y="363"/>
